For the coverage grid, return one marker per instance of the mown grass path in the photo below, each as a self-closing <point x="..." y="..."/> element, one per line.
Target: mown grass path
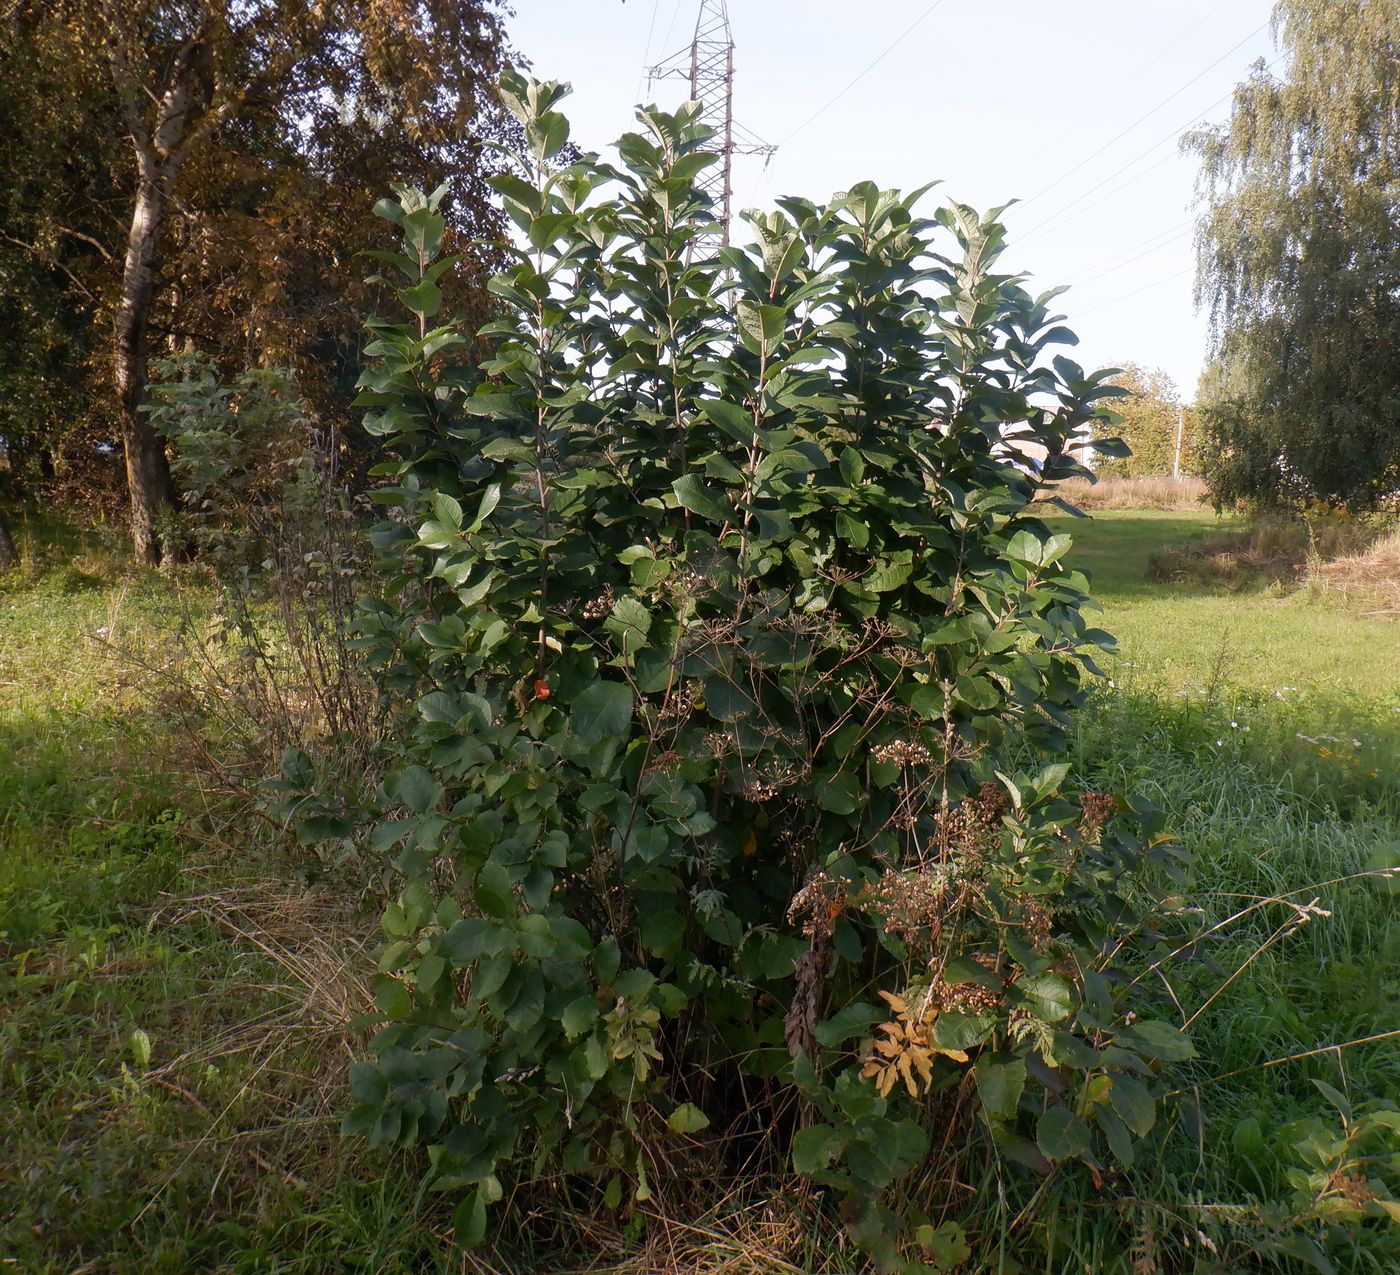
<point x="1175" y="636"/>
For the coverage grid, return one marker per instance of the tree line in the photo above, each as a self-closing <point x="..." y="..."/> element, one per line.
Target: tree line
<point x="199" y="174"/>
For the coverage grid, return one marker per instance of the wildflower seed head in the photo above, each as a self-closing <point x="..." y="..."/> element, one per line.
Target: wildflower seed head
<point x="903" y="752"/>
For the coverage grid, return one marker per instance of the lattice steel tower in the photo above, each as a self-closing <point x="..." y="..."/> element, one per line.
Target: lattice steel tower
<point x="708" y="64"/>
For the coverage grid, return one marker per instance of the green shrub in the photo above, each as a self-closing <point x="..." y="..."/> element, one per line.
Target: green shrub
<point x="714" y="607"/>
<point x="245" y="462"/>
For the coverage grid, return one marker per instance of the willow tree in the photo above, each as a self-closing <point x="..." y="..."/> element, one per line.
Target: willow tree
<point x="1299" y="264"/>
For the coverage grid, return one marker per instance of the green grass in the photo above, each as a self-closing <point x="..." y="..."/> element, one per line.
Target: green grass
<point x="1268" y="727"/>
<point x="171" y="1043"/>
<point x="1181" y="637"/>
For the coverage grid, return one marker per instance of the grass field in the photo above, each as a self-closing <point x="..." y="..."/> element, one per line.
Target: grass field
<point x="174" y="1018"/>
<point x="172" y="1022"/>
<point x="1176" y="637"/>
<point x="1268" y="726"/>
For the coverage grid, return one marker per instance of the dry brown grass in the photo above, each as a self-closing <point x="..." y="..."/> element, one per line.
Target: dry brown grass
<point x="298" y="1038"/>
<point x="1178" y="494"/>
<point x="1273" y="552"/>
<point x="310" y="934"/>
<point x="1368" y="579"/>
<point x="1338" y="554"/>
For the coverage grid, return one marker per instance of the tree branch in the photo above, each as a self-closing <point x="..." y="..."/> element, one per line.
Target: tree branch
<point x="57" y="265"/>
<point x="102" y="249"/>
<point x="128" y="91"/>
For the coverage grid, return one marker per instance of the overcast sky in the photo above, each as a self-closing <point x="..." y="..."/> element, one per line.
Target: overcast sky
<point x="1074" y="107"/>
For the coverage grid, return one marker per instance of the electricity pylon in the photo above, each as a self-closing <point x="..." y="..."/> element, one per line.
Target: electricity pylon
<point x="708" y="64"/>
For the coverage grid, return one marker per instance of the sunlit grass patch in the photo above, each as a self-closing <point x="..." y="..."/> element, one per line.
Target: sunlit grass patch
<point x="1187" y="636"/>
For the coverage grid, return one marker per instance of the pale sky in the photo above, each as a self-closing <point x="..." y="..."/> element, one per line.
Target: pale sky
<point x="1075" y="107"/>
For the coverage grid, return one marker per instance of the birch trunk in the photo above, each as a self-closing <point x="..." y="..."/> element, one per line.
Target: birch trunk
<point x="159" y="153"/>
<point x="147" y="471"/>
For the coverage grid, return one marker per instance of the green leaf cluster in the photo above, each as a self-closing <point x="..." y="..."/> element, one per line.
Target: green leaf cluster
<point x="715" y="608"/>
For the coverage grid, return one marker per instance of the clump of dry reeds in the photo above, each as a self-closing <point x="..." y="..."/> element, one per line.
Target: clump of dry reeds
<point x="1368" y="578"/>
<point x="1165" y="492"/>
<point x="1343" y="555"/>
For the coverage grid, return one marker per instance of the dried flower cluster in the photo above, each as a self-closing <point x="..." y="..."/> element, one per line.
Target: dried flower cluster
<point x="817" y="905"/>
<point x="911" y="903"/>
<point x="1352" y="1187"/>
<point x="599" y="607"/>
<point x="1036" y="921"/>
<point x="965" y="998"/>
<point x="1099" y="808"/>
<point x="989" y="804"/>
<point x="668" y="760"/>
<point x="679" y="704"/>
<point x="904" y="1049"/>
<point x="903" y="752"/>
<point x="969" y="827"/>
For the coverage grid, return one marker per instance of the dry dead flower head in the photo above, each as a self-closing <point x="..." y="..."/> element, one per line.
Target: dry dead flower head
<point x="1036" y="921"/>
<point x="989" y="804"/>
<point x="668" y="760"/>
<point x="903" y="752"/>
<point x="600" y="606"/>
<point x="904" y="1049"/>
<point x="718" y="744"/>
<point x="817" y="905"/>
<point x="911" y="903"/>
<point x="1098" y="810"/>
<point x="1352" y="1187"/>
<point x="803" y="1015"/>
<point x="679" y="704"/>
<point x="966" y="998"/>
<point x="905" y="656"/>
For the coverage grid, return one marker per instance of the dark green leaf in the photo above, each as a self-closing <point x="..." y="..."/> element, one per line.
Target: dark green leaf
<point x="602" y="711"/>
<point x="1000" y="1082"/>
<point x="1061" y="1135"/>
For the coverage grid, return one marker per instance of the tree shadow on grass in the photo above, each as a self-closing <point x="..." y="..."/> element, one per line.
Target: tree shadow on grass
<point x="1116" y="550"/>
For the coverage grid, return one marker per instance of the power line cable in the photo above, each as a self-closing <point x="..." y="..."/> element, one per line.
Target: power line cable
<point x="1056" y="219"/>
<point x="822" y="110"/>
<point x="1065" y="176"/>
<point x="646" y="55"/>
<point x="671" y="26"/>
<point x="1171" y="238"/>
<point x="1180" y="40"/>
<point x="1147" y="287"/>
